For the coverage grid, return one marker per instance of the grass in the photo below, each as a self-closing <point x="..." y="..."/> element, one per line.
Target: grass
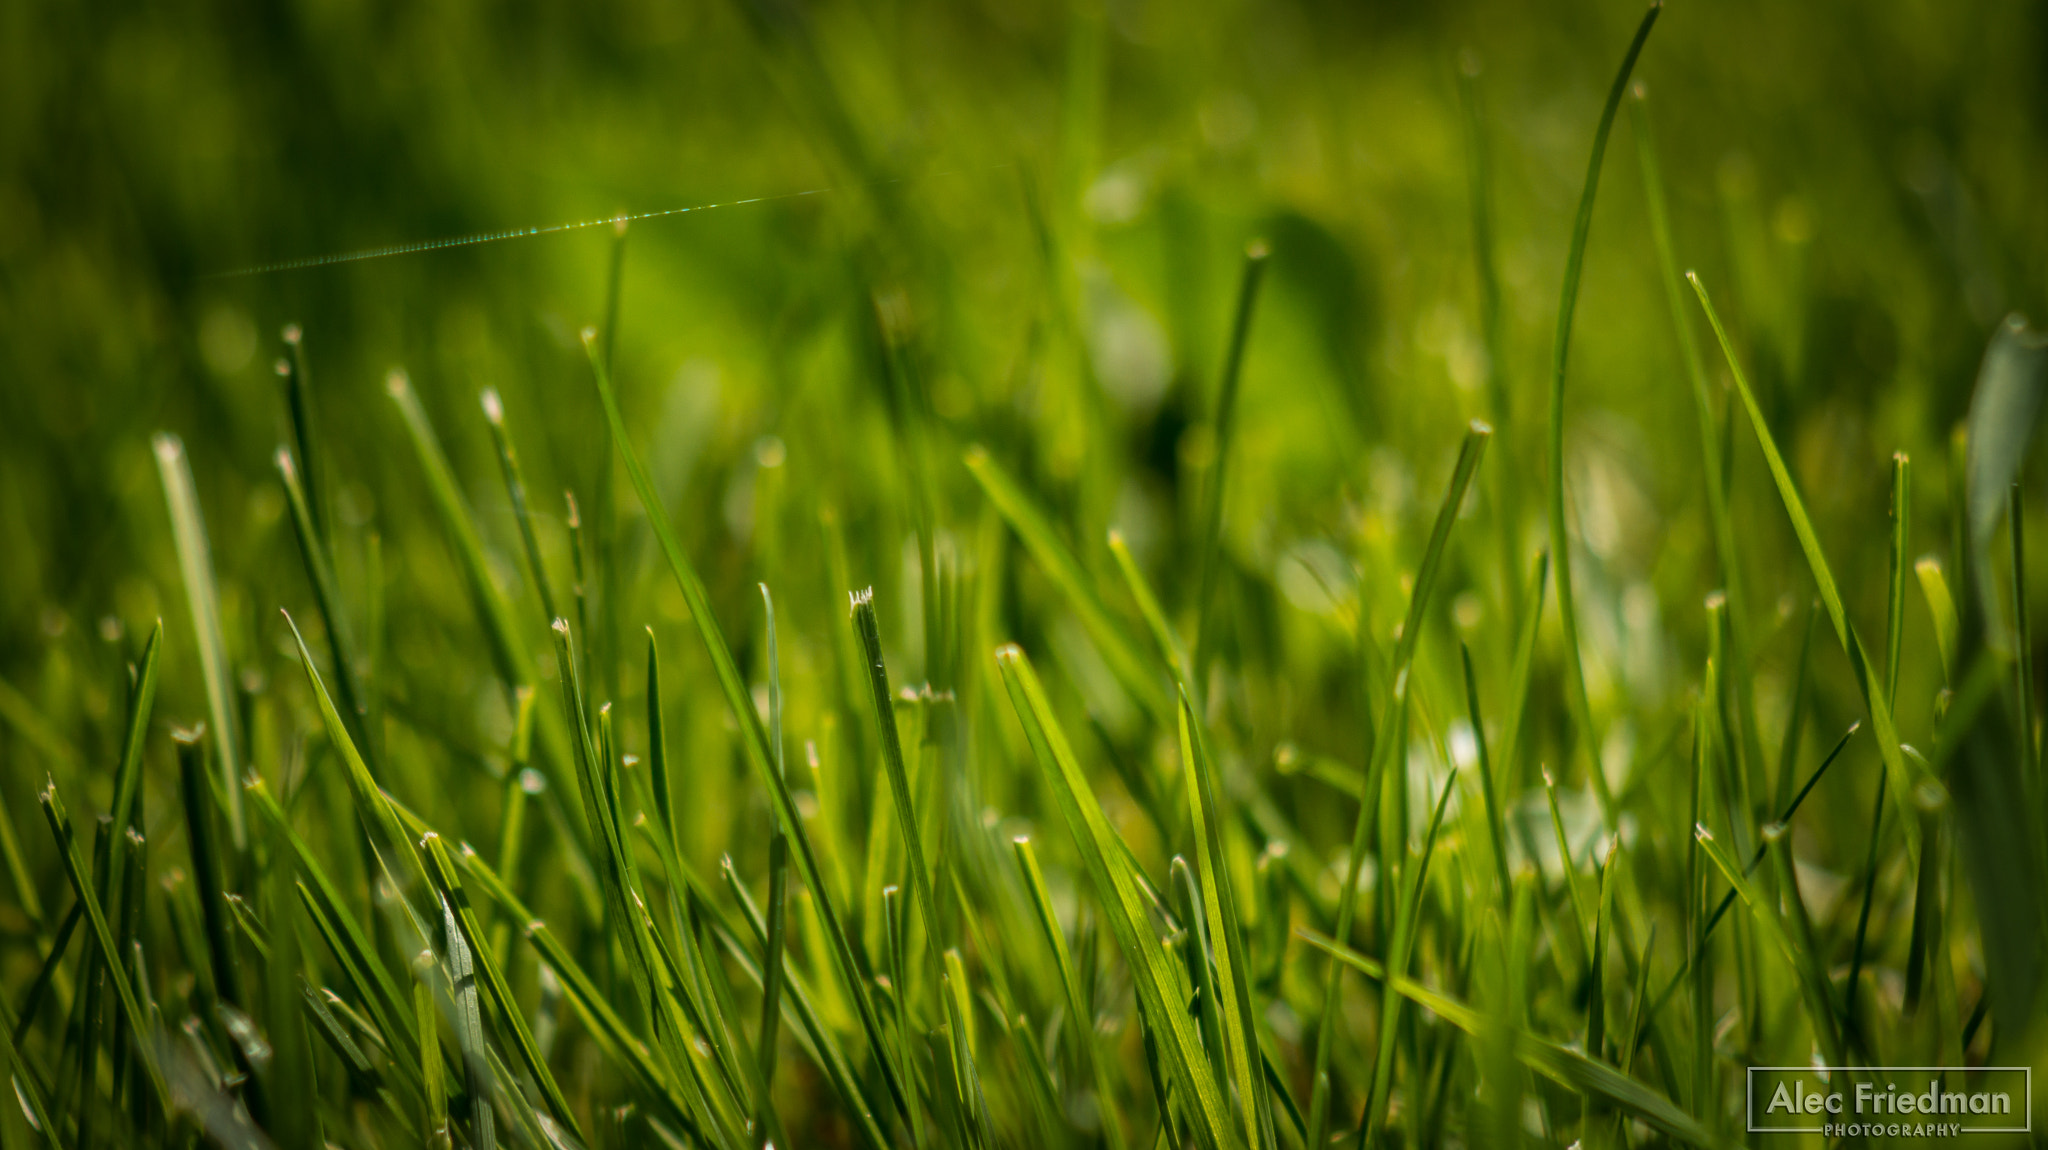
<point x="1125" y="667"/>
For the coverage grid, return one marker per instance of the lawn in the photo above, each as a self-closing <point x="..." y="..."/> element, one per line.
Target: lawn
<point x="1096" y="574"/>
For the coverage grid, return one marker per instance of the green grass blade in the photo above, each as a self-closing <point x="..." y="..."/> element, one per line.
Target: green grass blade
<point x="1469" y="454"/>
<point x="1568" y="1068"/>
<point x="515" y="491"/>
<point x="778" y="869"/>
<point x="448" y="884"/>
<point x="1560" y="538"/>
<point x="1109" y="870"/>
<point x="195" y="563"/>
<point x="1772" y="925"/>
<point x="892" y="761"/>
<point x="1237" y="1014"/>
<point x="1941" y="609"/>
<point x="203" y="843"/>
<point x="1523" y="672"/>
<point x="298" y="390"/>
<point x="1080" y="1011"/>
<point x="1225" y="429"/>
<point x="1414" y="882"/>
<point x="327" y="597"/>
<point x="1496" y="835"/>
<point x="1910" y="785"/>
<point x="1895" y="589"/>
<point x="753" y="739"/>
<point x="1170" y="647"/>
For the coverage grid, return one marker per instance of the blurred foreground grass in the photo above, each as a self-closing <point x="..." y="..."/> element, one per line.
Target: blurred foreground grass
<point x="981" y="364"/>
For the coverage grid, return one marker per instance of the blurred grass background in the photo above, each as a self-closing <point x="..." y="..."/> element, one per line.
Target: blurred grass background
<point x="1045" y="205"/>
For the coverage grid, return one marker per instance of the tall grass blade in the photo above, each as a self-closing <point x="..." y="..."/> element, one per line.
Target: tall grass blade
<point x="1560" y="538"/>
<point x="1080" y="1010"/>
<point x="1910" y="785"/>
<point x="195" y="563"/>
<point x="1225" y="430"/>
<point x="515" y="491"/>
<point x="778" y="868"/>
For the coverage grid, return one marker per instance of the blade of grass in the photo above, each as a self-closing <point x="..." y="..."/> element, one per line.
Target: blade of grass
<point x="455" y="900"/>
<point x="1941" y="608"/>
<point x="1401" y="949"/>
<point x="778" y="868"/>
<point x="1108" y="869"/>
<point x="1910" y="786"/>
<point x="1234" y="1008"/>
<point x="863" y="603"/>
<point x="515" y="490"/>
<point x="1496" y="836"/>
<point x="195" y="563"/>
<point x="1771" y="924"/>
<point x="1080" y="1013"/>
<point x="1225" y="429"/>
<point x="753" y="739"/>
<point x="1560" y="537"/>
<point x="327" y="597"/>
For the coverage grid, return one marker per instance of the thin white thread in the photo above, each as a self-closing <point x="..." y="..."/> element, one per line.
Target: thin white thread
<point x="475" y="238"/>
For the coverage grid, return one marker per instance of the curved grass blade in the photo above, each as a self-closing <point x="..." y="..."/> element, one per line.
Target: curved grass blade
<point x="1152" y="973"/>
<point x="195" y="563"/>
<point x="1080" y="1012"/>
<point x="1911" y="785"/>
<point x="1560" y="537"/>
<point x="1941" y="608"/>
<point x="753" y="738"/>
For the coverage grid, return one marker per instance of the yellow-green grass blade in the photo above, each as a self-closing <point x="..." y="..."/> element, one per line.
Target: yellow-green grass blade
<point x="1064" y="569"/>
<point x="1152" y="973"/>
<point x="139" y="1024"/>
<point x="1941" y="610"/>
<point x="515" y="491"/>
<point x="1496" y="835"/>
<point x="1522" y="673"/>
<point x="1568" y="1068"/>
<point x="195" y="564"/>
<point x="1560" y="537"/>
<point x="1911" y="786"/>
<point x="1895" y="583"/>
<point x="869" y="629"/>
<point x="1235" y="1010"/>
<point x="753" y="738"/>
<point x="1170" y="646"/>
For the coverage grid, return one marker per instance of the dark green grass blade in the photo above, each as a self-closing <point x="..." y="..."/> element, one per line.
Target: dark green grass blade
<point x="1225" y="428"/>
<point x="753" y="739"/>
<point x="1772" y="925"/>
<point x="327" y="597"/>
<point x="1560" y="537"/>
<point x="298" y="390"/>
<point x="1895" y="589"/>
<point x="1568" y="1068"/>
<point x="1907" y="780"/>
<point x="1109" y="870"/>
<point x="892" y="762"/>
<point x="1415" y="878"/>
<point x="778" y="870"/>
<point x="1080" y="1012"/>
<point x="195" y="563"/>
<point x="203" y="843"/>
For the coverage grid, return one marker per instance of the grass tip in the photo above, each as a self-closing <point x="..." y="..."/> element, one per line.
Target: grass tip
<point x="560" y="625"/>
<point x="494" y="408"/>
<point x="1480" y="427"/>
<point x="862" y="598"/>
<point x="1549" y="780"/>
<point x="1774" y="830"/>
<point x="588" y="335"/>
<point x="282" y="367"/>
<point x="188" y="736"/>
<point x="292" y="334"/>
<point x="285" y="466"/>
<point x="169" y="448"/>
<point x="532" y="781"/>
<point x="1716" y="599"/>
<point x="1700" y="832"/>
<point x="1021" y="840"/>
<point x="397" y="382"/>
<point x="1257" y="250"/>
<point x="1639" y="90"/>
<point x="1009" y="653"/>
<point x="1929" y="562"/>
